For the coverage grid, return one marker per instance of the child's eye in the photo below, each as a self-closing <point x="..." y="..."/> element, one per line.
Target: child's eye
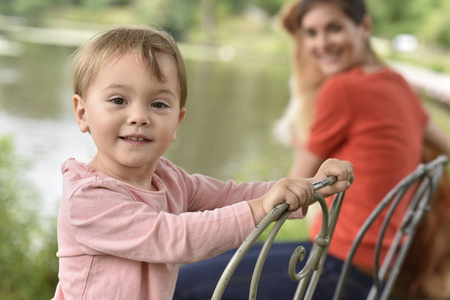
<point x="119" y="101"/>
<point x="158" y="105"/>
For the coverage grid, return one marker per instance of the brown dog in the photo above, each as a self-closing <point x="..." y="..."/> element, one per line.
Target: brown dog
<point x="426" y="270"/>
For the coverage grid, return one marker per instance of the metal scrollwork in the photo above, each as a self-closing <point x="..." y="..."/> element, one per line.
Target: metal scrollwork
<point x="426" y="175"/>
<point x="423" y="181"/>
<point x="315" y="259"/>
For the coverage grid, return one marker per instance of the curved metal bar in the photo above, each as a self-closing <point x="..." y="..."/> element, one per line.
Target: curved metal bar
<point x="280" y="214"/>
<point x="375" y="213"/>
<point x="398" y="250"/>
<point x="321" y="240"/>
<point x="429" y="174"/>
<point x="263" y="254"/>
<point x="387" y="219"/>
<point x="307" y="285"/>
<point x="243" y="249"/>
<point x="401" y="244"/>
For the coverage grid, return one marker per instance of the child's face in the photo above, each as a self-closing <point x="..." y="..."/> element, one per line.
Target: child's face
<point x="132" y="116"/>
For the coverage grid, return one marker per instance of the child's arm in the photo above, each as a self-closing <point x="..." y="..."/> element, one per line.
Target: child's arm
<point x="297" y="192"/>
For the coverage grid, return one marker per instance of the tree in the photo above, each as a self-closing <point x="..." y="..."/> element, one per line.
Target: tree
<point x="426" y="19"/>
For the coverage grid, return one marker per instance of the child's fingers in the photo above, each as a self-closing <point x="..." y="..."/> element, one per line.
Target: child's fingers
<point x="346" y="172"/>
<point x="335" y="188"/>
<point x="294" y="192"/>
<point x="339" y="186"/>
<point x="291" y="199"/>
<point x="300" y="193"/>
<point x="343" y="170"/>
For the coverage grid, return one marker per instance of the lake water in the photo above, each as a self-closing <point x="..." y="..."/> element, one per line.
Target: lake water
<point x="231" y="110"/>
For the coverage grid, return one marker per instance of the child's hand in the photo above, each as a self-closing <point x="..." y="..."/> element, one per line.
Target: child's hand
<point x="342" y="170"/>
<point x="295" y="192"/>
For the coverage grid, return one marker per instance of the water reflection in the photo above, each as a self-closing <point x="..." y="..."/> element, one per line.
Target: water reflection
<point x="40" y="86"/>
<point x="231" y="109"/>
<point x="227" y="132"/>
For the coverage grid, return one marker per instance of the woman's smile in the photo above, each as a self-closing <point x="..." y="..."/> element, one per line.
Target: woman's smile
<point x="333" y="39"/>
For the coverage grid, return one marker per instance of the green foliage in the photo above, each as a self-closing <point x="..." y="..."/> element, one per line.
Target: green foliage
<point x="32" y="10"/>
<point x="393" y="17"/>
<point x="28" y="266"/>
<point x="177" y="21"/>
<point x="95" y="5"/>
<point x="272" y="7"/>
<point x="6" y="7"/>
<point x="292" y="230"/>
<point x="424" y="18"/>
<point x="427" y="19"/>
<point x="436" y="26"/>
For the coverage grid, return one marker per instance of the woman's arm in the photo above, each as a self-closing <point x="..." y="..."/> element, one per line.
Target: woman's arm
<point x="437" y="138"/>
<point x="306" y="163"/>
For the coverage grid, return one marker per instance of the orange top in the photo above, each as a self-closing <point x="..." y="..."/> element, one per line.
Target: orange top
<point x="375" y="121"/>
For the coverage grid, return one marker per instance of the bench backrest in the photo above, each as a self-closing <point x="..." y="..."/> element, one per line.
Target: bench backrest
<point x="424" y="179"/>
<point x="385" y="273"/>
<point x="309" y="275"/>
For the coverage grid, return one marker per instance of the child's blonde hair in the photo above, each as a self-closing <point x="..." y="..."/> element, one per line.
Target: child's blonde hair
<point x="112" y="44"/>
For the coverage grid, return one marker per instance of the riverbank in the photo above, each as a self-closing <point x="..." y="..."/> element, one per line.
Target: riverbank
<point x="435" y="85"/>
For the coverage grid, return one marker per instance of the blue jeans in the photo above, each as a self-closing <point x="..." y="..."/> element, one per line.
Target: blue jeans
<point x="198" y="281"/>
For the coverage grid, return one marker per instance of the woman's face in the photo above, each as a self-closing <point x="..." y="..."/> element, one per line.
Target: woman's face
<point x="333" y="39"/>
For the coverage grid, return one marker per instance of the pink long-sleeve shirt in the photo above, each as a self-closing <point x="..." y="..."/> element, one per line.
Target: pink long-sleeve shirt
<point x="116" y="241"/>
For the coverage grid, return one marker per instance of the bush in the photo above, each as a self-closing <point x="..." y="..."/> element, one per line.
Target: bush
<point x="27" y="252"/>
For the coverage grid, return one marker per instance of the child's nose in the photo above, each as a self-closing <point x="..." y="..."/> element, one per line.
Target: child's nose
<point x="139" y="117"/>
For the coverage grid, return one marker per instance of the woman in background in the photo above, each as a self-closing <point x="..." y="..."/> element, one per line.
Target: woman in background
<point x="361" y="109"/>
<point x="347" y="105"/>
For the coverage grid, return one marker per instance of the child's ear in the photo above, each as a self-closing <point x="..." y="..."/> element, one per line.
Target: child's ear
<point x="180" y="119"/>
<point x="80" y="112"/>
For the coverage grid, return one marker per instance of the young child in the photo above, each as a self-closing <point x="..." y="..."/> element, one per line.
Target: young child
<point x="129" y="218"/>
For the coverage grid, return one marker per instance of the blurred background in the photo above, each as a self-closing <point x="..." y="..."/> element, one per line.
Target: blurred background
<point x="238" y="63"/>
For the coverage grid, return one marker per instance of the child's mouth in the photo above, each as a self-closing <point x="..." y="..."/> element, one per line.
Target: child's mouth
<point x="134" y="139"/>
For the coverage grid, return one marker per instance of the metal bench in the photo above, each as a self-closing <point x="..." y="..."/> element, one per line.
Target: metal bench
<point x="385" y="273"/>
<point x="384" y="277"/>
